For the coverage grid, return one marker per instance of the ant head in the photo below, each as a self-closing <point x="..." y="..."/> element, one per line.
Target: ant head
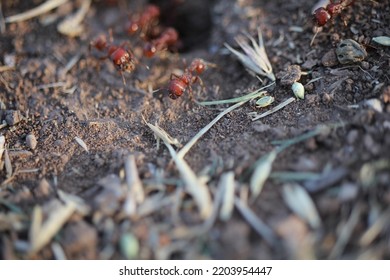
<point x="132" y="27"/>
<point x="321" y="16"/>
<point x="149" y="50"/>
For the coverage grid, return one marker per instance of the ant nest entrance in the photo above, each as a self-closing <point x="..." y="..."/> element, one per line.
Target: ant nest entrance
<point x="192" y="19"/>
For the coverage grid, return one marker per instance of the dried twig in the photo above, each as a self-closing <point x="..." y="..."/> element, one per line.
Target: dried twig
<point x="37" y="11"/>
<point x="71" y="26"/>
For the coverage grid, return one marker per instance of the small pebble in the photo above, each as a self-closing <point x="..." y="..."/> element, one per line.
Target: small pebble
<point x="350" y="51"/>
<point x="352" y="136"/>
<point x="31" y="141"/>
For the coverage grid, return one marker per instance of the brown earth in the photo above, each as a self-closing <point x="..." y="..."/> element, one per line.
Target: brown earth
<point x="349" y="164"/>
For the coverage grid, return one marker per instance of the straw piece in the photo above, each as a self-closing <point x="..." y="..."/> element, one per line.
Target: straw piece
<point x="37" y="11"/>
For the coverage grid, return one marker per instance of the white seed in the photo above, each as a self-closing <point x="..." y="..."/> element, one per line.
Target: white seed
<point x="383" y="40"/>
<point x="298" y="90"/>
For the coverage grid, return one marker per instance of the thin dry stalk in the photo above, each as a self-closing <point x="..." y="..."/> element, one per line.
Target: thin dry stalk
<point x="72" y="62"/>
<point x="346" y="232"/>
<point x="8" y="164"/>
<point x="258" y="225"/>
<point x="71" y="26"/>
<point x="227" y="184"/>
<point x="197" y="189"/>
<point x="193" y="141"/>
<point x="135" y="191"/>
<point x="254" y="57"/>
<point x="375" y="229"/>
<point x="256" y="116"/>
<point x="161" y="134"/>
<point x="37" y="11"/>
<point x="2" y="148"/>
<point x="41" y="234"/>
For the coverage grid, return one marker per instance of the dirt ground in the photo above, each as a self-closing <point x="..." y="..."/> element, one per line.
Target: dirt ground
<point x="60" y="200"/>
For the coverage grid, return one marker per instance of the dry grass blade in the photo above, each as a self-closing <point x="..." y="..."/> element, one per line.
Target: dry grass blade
<point x="192" y="142"/>
<point x="82" y="144"/>
<point x="2" y="20"/>
<point x="58" y="252"/>
<point x="81" y="207"/>
<point x="135" y="191"/>
<point x="372" y="232"/>
<point x="161" y="134"/>
<point x="72" y="62"/>
<point x="41" y="234"/>
<point x="37" y="11"/>
<point x="246" y="97"/>
<point x="8" y="165"/>
<point x="191" y="232"/>
<point x="227" y="184"/>
<point x="299" y="201"/>
<point x="2" y="149"/>
<point x="346" y="232"/>
<point x="261" y="173"/>
<point x="256" y="116"/>
<point x="71" y="26"/>
<point x="254" y="57"/>
<point x="155" y="203"/>
<point x="197" y="189"/>
<point x="258" y="225"/>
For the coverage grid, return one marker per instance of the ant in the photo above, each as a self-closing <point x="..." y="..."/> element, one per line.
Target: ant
<point x="179" y="84"/>
<point x="146" y="22"/>
<point x="166" y="40"/>
<point x="123" y="59"/>
<point x="322" y="15"/>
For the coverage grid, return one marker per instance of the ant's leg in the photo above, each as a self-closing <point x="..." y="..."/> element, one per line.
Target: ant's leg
<point x="198" y="79"/>
<point x="110" y="35"/>
<point x="123" y="78"/>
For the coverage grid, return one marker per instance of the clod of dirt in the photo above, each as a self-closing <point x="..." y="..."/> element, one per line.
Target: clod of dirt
<point x="350" y="51"/>
<point x="330" y="59"/>
<point x="291" y="75"/>
<point x="80" y="239"/>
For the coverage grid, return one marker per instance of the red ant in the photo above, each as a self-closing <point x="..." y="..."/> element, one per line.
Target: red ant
<point x="123" y="59"/>
<point x="322" y="15"/>
<point x="144" y="22"/>
<point x="166" y="40"/>
<point x="179" y="84"/>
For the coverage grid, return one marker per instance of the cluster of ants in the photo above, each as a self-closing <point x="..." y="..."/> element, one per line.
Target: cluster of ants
<point x="157" y="39"/>
<point x="324" y="14"/>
